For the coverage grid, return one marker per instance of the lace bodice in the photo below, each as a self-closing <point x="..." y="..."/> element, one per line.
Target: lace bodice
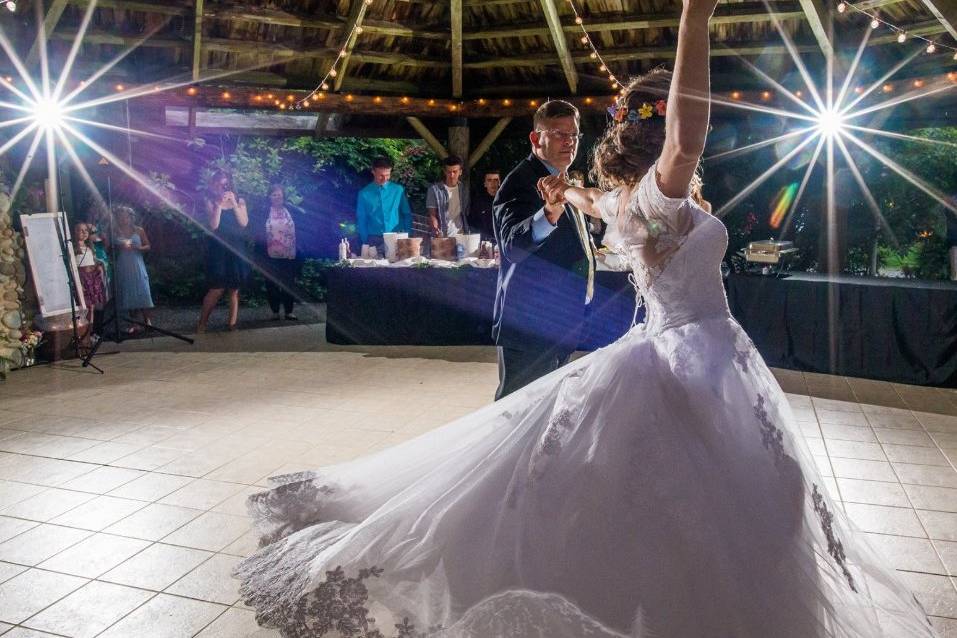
<point x="674" y="249"/>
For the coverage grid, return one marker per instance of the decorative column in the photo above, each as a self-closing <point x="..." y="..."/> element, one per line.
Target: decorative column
<point x="13" y="277"/>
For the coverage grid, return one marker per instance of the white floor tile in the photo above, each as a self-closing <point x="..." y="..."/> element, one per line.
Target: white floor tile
<point x="237" y="623"/>
<point x="40" y="543"/>
<point x="151" y="487"/>
<point x="166" y="616"/>
<point x="212" y="581"/>
<point x="94" y="555"/>
<point x="48" y="504"/>
<point x="211" y="531"/>
<point x="33" y="590"/>
<point x="156" y="567"/>
<point x="89" y="610"/>
<point x="154" y="521"/>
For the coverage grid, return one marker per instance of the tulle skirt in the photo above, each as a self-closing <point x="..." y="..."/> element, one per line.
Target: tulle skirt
<point x="657" y="487"/>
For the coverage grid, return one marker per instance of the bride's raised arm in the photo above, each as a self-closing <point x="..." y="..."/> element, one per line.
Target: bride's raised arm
<point x="688" y="114"/>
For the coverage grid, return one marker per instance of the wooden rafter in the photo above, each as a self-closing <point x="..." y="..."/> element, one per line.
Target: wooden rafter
<point x="198" y="40"/>
<point x="561" y="45"/>
<point x="456" y="19"/>
<point x="945" y="12"/>
<point x="488" y="140"/>
<point x="280" y="53"/>
<point x="145" y="7"/>
<point x="726" y="14"/>
<point x="426" y="135"/>
<point x="356" y="13"/>
<point x="50" y="21"/>
<point x="819" y="21"/>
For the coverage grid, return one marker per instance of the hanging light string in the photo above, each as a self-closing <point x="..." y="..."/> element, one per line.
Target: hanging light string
<point x="332" y="72"/>
<point x="594" y="55"/>
<point x="902" y="34"/>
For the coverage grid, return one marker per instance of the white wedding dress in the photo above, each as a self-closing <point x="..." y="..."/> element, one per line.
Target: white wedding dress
<point x="658" y="487"/>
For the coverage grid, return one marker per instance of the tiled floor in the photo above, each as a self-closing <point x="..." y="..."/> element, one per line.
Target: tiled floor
<point x="122" y="495"/>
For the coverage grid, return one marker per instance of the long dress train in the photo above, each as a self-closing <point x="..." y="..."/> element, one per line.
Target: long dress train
<point x="657" y="487"/>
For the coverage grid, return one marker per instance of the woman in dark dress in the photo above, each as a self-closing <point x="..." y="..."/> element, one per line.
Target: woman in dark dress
<point x="226" y="219"/>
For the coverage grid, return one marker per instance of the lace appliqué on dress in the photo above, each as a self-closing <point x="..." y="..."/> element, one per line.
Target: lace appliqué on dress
<point x="293" y="505"/>
<point x="338" y="604"/>
<point x="834" y="547"/>
<point x="771" y="436"/>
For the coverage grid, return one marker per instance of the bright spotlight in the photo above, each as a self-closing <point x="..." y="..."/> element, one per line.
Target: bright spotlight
<point x="48" y="114"/>
<point x="830" y="122"/>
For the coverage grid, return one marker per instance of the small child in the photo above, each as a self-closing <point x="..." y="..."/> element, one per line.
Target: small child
<point x="91" y="270"/>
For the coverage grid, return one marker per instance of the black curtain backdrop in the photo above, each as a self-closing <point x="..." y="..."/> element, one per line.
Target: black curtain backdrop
<point x="889" y="329"/>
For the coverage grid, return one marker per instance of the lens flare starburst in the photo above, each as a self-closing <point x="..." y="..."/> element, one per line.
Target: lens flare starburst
<point x="831" y="122"/>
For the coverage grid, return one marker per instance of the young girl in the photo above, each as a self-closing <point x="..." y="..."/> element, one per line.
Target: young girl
<point x="92" y="271"/>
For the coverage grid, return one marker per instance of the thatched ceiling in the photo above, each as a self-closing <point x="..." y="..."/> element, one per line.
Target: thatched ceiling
<point x="406" y="46"/>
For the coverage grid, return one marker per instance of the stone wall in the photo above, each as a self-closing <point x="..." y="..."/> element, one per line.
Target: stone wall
<point x="13" y="277"/>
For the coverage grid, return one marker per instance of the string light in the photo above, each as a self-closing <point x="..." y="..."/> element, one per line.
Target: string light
<point x="332" y="72"/>
<point x="595" y="54"/>
<point x="902" y="35"/>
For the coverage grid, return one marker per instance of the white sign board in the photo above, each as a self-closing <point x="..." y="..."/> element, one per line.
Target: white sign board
<point x="41" y="233"/>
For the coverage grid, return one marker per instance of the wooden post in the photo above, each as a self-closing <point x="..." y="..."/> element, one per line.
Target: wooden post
<point x="459" y="144"/>
<point x="198" y="40"/>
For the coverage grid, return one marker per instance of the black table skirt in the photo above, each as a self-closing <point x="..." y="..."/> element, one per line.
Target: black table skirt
<point x="894" y="330"/>
<point x="888" y="329"/>
<point x="448" y="306"/>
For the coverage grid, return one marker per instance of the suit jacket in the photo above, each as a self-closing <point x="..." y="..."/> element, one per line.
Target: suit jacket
<point x="540" y="298"/>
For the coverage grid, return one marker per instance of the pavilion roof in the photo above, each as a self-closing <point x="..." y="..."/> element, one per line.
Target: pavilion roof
<point x="456" y="49"/>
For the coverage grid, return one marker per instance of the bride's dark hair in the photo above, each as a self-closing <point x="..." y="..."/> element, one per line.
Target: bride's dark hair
<point x="627" y="149"/>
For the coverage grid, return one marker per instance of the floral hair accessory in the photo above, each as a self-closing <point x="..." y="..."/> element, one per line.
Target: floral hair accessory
<point x="619" y="113"/>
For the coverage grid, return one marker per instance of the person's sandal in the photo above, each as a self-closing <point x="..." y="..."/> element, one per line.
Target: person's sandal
<point x="200" y="328"/>
<point x="292" y="317"/>
<point x="231" y="327"/>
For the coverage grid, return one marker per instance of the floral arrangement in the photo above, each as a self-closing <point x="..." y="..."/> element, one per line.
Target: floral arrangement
<point x="19" y="353"/>
<point x="620" y="113"/>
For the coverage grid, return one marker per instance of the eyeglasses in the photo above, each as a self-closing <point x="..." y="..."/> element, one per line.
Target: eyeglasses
<point x="562" y="135"/>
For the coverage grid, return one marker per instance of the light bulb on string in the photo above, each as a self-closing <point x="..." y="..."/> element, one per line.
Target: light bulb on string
<point x="10" y="5"/>
<point x="841" y="7"/>
<point x="902" y="37"/>
<point x="875" y="23"/>
<point x="931" y="48"/>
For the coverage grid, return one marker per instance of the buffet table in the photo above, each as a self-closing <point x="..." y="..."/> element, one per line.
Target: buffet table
<point x="891" y="329"/>
<point x="448" y="306"/>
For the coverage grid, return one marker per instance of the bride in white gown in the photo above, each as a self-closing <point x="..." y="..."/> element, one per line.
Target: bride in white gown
<point x="657" y="487"/>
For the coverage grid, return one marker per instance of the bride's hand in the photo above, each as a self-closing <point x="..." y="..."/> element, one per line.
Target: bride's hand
<point x="552" y="189"/>
<point x="704" y="8"/>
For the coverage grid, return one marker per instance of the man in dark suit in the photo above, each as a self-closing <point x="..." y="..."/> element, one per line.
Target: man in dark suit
<point x="546" y="275"/>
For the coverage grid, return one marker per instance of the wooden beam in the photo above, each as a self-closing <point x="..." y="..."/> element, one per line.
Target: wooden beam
<point x="249" y="99"/>
<point x="456" y="13"/>
<point x="145" y="7"/>
<point x="561" y="45"/>
<point x="50" y="21"/>
<point x="488" y="140"/>
<point x="945" y="12"/>
<point x="725" y="14"/>
<point x="197" y="40"/>
<point x="426" y="135"/>
<point x="356" y="13"/>
<point x="819" y="20"/>
<point x="122" y="40"/>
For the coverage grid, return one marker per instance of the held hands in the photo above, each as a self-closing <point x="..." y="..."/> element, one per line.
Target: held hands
<point x="552" y="191"/>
